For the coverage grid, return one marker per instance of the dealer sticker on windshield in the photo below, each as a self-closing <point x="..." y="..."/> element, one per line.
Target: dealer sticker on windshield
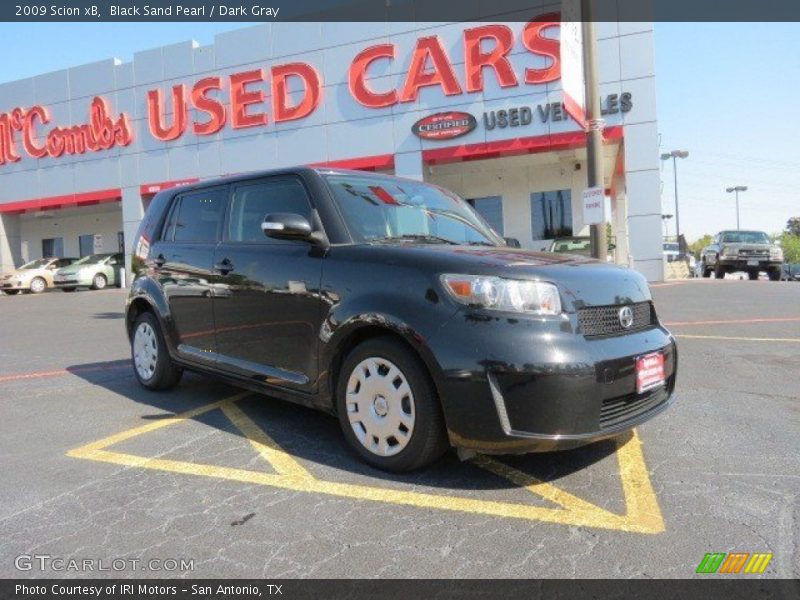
<point x="649" y="372"/>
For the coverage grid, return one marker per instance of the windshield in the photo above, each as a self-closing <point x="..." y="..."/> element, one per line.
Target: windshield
<point x="745" y="237"/>
<point x="573" y="246"/>
<point x="670" y="247"/>
<point x="383" y="208"/>
<point x="36" y="264"/>
<point x="92" y="259"/>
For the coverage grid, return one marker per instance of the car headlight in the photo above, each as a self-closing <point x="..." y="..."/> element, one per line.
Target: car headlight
<point x="496" y="293"/>
<point x="776" y="253"/>
<point x="728" y="251"/>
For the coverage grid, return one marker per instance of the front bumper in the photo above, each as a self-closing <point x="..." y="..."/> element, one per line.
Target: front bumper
<point x="745" y="264"/>
<point x="72" y="281"/>
<point x="526" y="385"/>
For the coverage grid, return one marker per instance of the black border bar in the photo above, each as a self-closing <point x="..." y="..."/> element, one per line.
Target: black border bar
<point x="728" y="588"/>
<point x="393" y="10"/>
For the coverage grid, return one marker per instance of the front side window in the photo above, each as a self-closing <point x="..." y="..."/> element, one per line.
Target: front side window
<point x="382" y="208"/>
<point x="197" y="216"/>
<point x="252" y="202"/>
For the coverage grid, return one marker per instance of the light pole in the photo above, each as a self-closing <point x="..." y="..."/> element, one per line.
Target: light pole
<point x="737" y="189"/>
<point x="594" y="124"/>
<point x="674" y="155"/>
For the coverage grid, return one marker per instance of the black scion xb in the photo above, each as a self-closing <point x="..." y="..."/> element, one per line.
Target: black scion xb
<point x="391" y="304"/>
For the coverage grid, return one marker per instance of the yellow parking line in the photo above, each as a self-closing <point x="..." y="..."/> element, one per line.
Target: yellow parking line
<point x="642" y="512"/>
<point x="88" y="449"/>
<point x="738" y="339"/>
<point x="282" y="462"/>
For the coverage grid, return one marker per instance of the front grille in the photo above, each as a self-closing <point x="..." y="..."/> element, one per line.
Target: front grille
<point x="598" y="321"/>
<point x="750" y="253"/>
<point x="616" y="411"/>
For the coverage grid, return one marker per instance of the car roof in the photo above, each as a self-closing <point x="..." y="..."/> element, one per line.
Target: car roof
<point x="296" y="170"/>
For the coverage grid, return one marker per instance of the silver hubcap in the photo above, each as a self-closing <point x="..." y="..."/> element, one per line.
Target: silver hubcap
<point x="380" y="406"/>
<point x="37" y="285"/>
<point x="145" y="351"/>
<point x="99" y="282"/>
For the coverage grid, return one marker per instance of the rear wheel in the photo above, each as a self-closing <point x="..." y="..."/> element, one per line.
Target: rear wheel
<point x="99" y="282"/>
<point x="388" y="407"/>
<point x="12" y="292"/>
<point x="38" y="285"/>
<point x="151" y="362"/>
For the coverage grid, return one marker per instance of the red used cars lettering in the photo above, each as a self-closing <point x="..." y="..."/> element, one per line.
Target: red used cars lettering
<point x="282" y="111"/>
<point x="242" y="98"/>
<point x="534" y="40"/>
<point x="419" y="76"/>
<point x="358" y="72"/>
<point x="212" y="107"/>
<point x="156" y="113"/>
<point x="475" y="59"/>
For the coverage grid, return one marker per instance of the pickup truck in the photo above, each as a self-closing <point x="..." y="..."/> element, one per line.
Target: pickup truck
<point x="748" y="251"/>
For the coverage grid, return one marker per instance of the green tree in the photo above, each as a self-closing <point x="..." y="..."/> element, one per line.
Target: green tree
<point x="791" y="247"/>
<point x="697" y="246"/>
<point x="793" y="226"/>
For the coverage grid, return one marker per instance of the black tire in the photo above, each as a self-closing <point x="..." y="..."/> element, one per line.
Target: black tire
<point x="752" y="275"/>
<point x="428" y="441"/>
<point x="68" y="289"/>
<point x="99" y="282"/>
<point x="775" y="274"/>
<point x="706" y="271"/>
<point x="12" y="292"/>
<point x="166" y="374"/>
<point x="719" y="272"/>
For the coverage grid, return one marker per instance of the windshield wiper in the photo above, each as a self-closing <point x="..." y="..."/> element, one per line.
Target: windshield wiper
<point x="415" y="237"/>
<point x="490" y="244"/>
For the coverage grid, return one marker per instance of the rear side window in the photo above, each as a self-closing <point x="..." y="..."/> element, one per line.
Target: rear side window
<point x="252" y="202"/>
<point x="196" y="217"/>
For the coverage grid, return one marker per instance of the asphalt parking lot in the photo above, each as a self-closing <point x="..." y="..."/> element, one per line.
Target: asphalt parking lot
<point x="94" y="467"/>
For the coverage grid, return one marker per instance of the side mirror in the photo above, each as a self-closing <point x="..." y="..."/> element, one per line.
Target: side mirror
<point x="286" y="226"/>
<point x="512" y="242"/>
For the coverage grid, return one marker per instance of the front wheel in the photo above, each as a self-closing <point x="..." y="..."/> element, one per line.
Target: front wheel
<point x="151" y="362"/>
<point x="38" y="285"/>
<point x="99" y="282"/>
<point x="388" y="407"/>
<point x="719" y="272"/>
<point x="752" y="275"/>
<point x="775" y="275"/>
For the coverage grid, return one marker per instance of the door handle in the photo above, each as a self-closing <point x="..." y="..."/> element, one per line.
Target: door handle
<point x="224" y="267"/>
<point x="159" y="260"/>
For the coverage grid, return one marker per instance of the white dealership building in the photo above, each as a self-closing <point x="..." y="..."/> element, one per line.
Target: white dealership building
<point x="474" y="107"/>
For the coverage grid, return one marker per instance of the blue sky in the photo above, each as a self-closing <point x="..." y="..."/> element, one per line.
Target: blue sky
<point x="727" y="93"/>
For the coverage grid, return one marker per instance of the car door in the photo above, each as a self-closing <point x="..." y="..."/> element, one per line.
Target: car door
<point x="267" y="306"/>
<point x="182" y="260"/>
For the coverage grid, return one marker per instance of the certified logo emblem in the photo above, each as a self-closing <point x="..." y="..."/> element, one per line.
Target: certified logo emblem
<point x="625" y="317"/>
<point x="444" y="125"/>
